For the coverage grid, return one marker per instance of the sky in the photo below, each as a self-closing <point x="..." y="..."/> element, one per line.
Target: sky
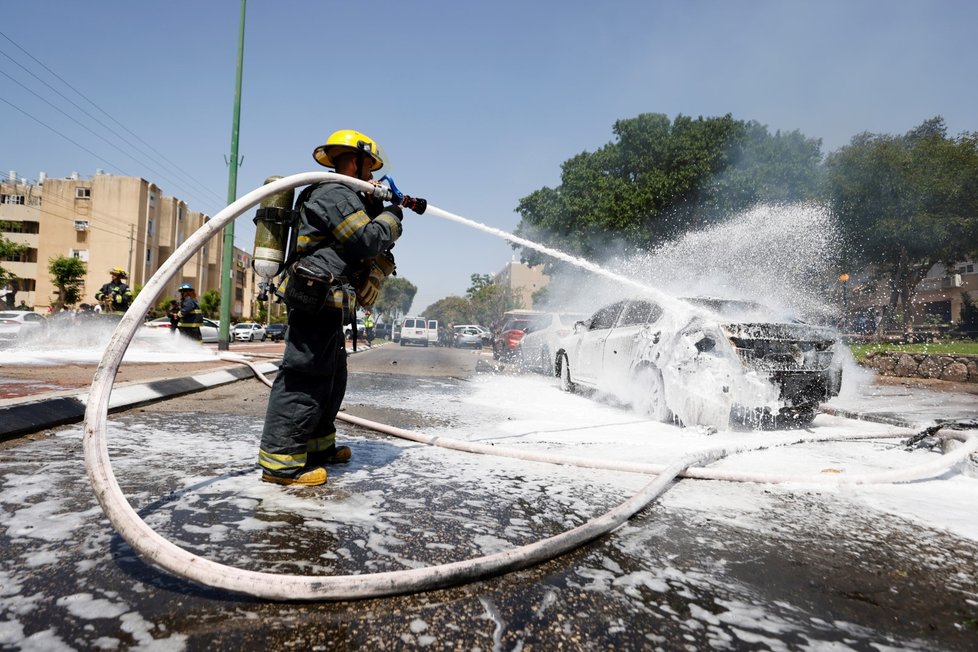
<point x="476" y="104"/>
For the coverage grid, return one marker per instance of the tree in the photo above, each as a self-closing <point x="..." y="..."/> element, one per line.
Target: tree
<point x="8" y="250"/>
<point x="488" y="300"/>
<point x="210" y="303"/>
<point x="395" y="298"/>
<point x="455" y="310"/>
<point x="67" y="275"/>
<point x="906" y="203"/>
<point x="659" y="179"/>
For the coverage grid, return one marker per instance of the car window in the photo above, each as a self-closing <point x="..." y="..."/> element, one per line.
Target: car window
<point x="605" y="317"/>
<point x="432" y="324"/>
<point x="33" y="317"/>
<point x="639" y="312"/>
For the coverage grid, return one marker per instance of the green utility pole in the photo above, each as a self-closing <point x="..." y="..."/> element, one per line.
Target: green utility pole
<point x="227" y="271"/>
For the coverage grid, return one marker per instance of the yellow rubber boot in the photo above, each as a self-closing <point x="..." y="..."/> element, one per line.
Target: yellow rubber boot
<point x="311" y="478"/>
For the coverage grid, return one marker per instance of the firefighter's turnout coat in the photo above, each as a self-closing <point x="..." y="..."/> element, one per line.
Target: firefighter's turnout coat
<point x="336" y="234"/>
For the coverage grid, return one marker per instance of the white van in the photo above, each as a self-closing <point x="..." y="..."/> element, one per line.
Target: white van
<point x="433" y="332"/>
<point x="414" y="330"/>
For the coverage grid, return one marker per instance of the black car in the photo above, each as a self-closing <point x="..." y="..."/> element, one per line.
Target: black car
<point x="276" y="332"/>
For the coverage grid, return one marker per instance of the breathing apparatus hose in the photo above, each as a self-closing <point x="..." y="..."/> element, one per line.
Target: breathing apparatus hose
<point x="170" y="557"/>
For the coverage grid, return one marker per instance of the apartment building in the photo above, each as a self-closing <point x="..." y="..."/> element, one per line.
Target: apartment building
<point x="107" y="221"/>
<point x="524" y="279"/>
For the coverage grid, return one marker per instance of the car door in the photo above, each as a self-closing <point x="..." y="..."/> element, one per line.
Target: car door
<point x="630" y="330"/>
<point x="590" y="350"/>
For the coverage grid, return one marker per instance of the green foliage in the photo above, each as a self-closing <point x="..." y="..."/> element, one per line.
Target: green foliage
<point x="8" y="249"/>
<point x="489" y="301"/>
<point x="395" y="298"/>
<point x="906" y="203"/>
<point x="949" y="347"/>
<point x="210" y="303"/>
<point x="455" y="310"/>
<point x="67" y="275"/>
<point x="659" y="179"/>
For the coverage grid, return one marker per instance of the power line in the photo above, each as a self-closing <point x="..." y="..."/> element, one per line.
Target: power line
<point x="173" y="166"/>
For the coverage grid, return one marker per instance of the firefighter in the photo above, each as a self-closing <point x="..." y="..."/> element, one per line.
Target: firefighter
<point x="115" y="296"/>
<point x="368" y="327"/>
<point x="190" y="317"/>
<point x="340" y="234"/>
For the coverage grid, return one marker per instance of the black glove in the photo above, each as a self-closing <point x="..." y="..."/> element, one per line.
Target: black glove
<point x="395" y="211"/>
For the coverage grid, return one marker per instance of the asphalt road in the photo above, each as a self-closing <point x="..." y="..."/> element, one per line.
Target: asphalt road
<point x="710" y="566"/>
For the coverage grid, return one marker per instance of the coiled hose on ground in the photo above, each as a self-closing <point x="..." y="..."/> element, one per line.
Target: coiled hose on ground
<point x="170" y="557"/>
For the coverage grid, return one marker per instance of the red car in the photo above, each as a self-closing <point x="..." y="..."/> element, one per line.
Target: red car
<point x="506" y="344"/>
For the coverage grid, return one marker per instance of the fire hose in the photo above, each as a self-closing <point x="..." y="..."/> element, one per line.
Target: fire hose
<point x="182" y="563"/>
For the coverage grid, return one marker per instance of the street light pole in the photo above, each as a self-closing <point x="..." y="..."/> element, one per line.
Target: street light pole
<point x="227" y="271"/>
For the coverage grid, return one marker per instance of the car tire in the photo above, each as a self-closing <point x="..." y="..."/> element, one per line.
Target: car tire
<point x="563" y="372"/>
<point x="426" y="344"/>
<point x="263" y="337"/>
<point x="651" y="397"/>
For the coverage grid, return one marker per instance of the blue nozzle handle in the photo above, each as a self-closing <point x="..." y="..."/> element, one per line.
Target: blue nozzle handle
<point x="396" y="195"/>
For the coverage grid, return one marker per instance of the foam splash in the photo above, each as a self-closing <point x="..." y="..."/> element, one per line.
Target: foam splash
<point x="80" y="340"/>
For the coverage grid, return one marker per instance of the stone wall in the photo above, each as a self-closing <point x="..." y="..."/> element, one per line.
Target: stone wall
<point x="955" y="368"/>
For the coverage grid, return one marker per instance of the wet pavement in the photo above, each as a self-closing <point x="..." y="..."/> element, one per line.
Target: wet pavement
<point x="711" y="565"/>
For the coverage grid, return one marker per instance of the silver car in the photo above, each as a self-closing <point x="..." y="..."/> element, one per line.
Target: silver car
<point x="710" y="362"/>
<point x="468" y="336"/>
<point x="18" y="323"/>
<point x="536" y="349"/>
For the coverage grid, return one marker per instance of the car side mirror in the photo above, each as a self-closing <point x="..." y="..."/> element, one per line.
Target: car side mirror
<point x="580" y="327"/>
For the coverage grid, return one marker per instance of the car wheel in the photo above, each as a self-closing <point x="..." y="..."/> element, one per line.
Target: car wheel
<point x="263" y="337"/>
<point x="650" y="391"/>
<point x="426" y="344"/>
<point x="251" y="338"/>
<point x="563" y="370"/>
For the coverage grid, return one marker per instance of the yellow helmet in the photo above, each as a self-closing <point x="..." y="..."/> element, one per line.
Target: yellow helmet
<point x="346" y="140"/>
<point x="118" y="271"/>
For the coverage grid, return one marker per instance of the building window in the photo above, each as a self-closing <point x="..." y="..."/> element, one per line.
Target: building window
<point x="149" y="228"/>
<point x="12" y="199"/>
<point x="81" y="225"/>
<point x="152" y="199"/>
<point x="149" y="255"/>
<point x="83" y="193"/>
<point x="28" y="255"/>
<point x="967" y="269"/>
<point x="239" y="294"/>
<point x="21" y="227"/>
<point x="80" y="254"/>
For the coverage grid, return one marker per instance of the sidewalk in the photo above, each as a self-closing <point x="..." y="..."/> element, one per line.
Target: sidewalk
<point x="35" y="397"/>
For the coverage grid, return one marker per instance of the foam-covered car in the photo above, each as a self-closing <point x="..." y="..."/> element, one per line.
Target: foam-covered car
<point x="704" y="361"/>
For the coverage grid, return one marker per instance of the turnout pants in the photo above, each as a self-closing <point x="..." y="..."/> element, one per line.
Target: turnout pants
<point x="300" y="429"/>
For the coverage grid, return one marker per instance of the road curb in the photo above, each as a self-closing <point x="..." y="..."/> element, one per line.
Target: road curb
<point x="32" y="415"/>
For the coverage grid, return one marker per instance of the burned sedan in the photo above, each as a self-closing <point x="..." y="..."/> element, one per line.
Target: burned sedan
<point x="709" y="362"/>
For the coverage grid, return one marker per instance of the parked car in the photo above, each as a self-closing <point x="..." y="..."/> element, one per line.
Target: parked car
<point x="18" y="323"/>
<point x="382" y="331"/>
<point x="249" y="332"/>
<point x="209" y="329"/>
<point x="468" y="336"/>
<point x="718" y="363"/>
<point x="504" y="345"/>
<point x="396" y="333"/>
<point x="484" y="332"/>
<point x="536" y="349"/>
<point x="361" y="330"/>
<point x="414" y="330"/>
<point x="276" y="332"/>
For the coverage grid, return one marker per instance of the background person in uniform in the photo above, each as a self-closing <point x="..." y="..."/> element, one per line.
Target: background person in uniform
<point x="368" y="327"/>
<point x="173" y="314"/>
<point x="340" y="233"/>
<point x="190" y="317"/>
<point x="115" y="296"/>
